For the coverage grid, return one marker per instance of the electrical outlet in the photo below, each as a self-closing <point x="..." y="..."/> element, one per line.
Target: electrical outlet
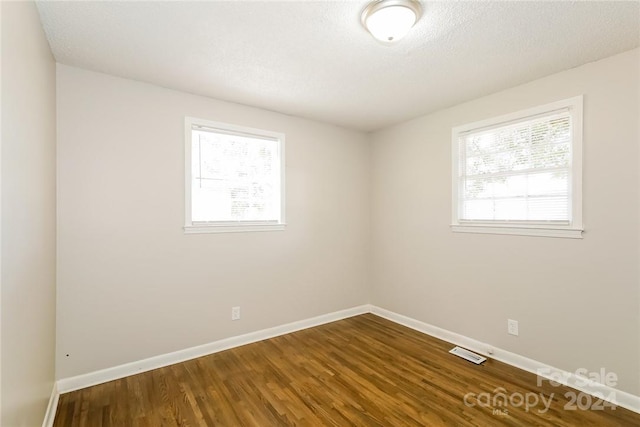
<point x="235" y="313"/>
<point x="512" y="327"/>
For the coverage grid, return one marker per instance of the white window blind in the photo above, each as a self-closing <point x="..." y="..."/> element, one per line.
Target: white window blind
<point x="518" y="172"/>
<point x="235" y="177"/>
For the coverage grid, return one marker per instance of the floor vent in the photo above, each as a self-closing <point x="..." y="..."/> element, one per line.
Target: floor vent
<point x="466" y="354"/>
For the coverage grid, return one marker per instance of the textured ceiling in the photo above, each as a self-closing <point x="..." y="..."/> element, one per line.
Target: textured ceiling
<point x="313" y="58"/>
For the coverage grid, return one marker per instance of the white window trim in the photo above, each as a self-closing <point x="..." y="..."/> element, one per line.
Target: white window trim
<point x="575" y="228"/>
<point x="191" y="227"/>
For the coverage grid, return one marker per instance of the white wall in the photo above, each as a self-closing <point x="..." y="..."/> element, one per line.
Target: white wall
<point x="28" y="216"/>
<point x="577" y="301"/>
<point x="131" y="285"/>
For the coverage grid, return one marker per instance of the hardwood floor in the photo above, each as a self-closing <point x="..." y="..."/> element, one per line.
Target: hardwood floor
<point x="362" y="371"/>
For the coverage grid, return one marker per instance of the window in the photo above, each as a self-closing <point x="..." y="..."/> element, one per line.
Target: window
<point x="520" y="173"/>
<point x="234" y="178"/>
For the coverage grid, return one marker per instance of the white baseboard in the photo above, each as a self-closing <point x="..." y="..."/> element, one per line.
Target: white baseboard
<point x="610" y="394"/>
<point x="618" y="397"/>
<point x="50" y="415"/>
<point x="102" y="376"/>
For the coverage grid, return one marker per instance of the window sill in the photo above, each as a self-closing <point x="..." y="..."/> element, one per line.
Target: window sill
<point x="567" y="233"/>
<point x="211" y="228"/>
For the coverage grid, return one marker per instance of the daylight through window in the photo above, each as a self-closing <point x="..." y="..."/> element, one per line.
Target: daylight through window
<point x="520" y="173"/>
<point x="235" y="178"/>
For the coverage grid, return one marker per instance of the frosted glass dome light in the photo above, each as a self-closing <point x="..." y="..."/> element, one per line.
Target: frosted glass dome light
<point x="390" y="20"/>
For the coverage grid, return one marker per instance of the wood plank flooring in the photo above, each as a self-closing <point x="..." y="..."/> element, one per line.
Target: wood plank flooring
<point x="362" y="371"/>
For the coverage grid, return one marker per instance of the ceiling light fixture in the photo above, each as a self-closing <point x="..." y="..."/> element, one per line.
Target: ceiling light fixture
<point x="390" y="20"/>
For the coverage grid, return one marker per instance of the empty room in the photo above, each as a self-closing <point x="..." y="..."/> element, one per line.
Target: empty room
<point x="319" y="213"/>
